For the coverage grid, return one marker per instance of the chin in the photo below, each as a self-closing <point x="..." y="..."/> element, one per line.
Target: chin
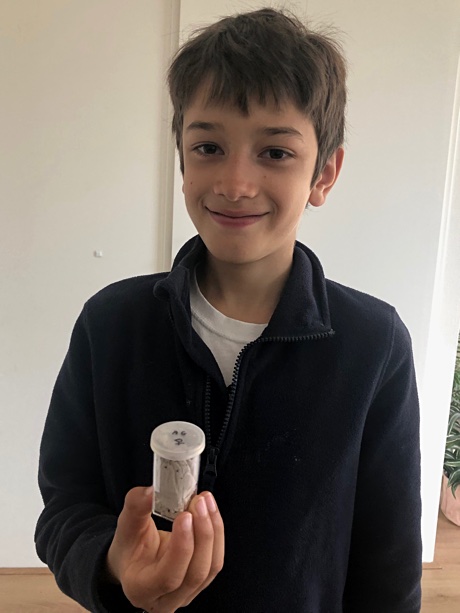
<point x="232" y="256"/>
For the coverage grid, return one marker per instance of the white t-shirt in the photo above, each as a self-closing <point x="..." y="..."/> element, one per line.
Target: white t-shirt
<point x="224" y="336"/>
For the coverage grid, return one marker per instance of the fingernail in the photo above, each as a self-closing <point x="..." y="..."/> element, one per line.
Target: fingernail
<point x="201" y="507"/>
<point x="212" y="508"/>
<point x="148" y="491"/>
<point x="187" y="522"/>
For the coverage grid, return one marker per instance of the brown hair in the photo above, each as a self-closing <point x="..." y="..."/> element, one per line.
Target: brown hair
<point x="266" y="55"/>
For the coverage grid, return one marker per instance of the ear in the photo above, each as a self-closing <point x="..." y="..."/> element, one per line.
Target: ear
<point x="181" y="165"/>
<point x="327" y="178"/>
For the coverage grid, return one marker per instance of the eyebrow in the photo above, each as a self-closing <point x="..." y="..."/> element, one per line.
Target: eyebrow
<point x="204" y="125"/>
<point x="267" y="131"/>
<point x="287" y="130"/>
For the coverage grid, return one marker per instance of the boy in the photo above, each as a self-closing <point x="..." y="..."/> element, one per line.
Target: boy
<point x="305" y="388"/>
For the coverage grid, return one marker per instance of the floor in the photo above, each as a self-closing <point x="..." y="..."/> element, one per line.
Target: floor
<point x="441" y="579"/>
<point x="34" y="590"/>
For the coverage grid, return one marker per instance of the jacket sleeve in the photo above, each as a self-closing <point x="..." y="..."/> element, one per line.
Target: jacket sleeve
<point x="76" y="527"/>
<point x="385" y="562"/>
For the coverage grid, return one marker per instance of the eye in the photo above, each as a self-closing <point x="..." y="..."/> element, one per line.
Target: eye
<point x="207" y="149"/>
<point x="276" y="154"/>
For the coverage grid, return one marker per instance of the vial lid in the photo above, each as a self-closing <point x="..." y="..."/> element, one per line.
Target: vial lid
<point x="178" y="440"/>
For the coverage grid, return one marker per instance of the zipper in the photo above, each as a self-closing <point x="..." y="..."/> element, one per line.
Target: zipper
<point x="210" y="471"/>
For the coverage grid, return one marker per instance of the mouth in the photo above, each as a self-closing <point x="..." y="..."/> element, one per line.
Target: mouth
<point x="235" y="218"/>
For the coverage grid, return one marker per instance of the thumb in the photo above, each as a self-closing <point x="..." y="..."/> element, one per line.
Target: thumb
<point x="137" y="510"/>
<point x="133" y="523"/>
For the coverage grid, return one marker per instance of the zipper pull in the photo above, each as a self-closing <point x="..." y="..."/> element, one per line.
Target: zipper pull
<point x="210" y="471"/>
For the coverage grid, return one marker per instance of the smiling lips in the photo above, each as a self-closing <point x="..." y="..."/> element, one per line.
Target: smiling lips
<point x="235" y="218"/>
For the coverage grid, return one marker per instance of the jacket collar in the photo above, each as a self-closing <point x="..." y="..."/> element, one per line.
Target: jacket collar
<point x="303" y="307"/>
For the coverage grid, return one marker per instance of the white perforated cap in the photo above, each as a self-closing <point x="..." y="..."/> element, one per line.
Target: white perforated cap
<point x="178" y="440"/>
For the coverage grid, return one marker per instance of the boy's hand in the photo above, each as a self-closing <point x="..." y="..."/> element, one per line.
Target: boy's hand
<point x="161" y="571"/>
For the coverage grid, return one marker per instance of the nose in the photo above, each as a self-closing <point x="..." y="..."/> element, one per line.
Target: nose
<point x="236" y="178"/>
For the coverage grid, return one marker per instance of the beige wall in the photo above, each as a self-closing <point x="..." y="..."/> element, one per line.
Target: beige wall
<point x="83" y="168"/>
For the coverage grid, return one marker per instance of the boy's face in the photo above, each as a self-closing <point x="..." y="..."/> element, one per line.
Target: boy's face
<point x="247" y="179"/>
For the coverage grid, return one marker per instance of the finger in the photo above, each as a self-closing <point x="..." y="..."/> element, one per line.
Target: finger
<point x="200" y="564"/>
<point x="173" y="566"/>
<point x="133" y="523"/>
<point x="218" y="552"/>
<point x="135" y="516"/>
<point x="197" y="571"/>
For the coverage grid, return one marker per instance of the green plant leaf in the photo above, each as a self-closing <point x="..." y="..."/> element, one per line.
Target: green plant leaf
<point x="454" y="422"/>
<point x="452" y="439"/>
<point x="452" y="450"/>
<point x="457" y="378"/>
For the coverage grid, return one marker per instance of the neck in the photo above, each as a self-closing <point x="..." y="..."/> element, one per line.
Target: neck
<point x="246" y="292"/>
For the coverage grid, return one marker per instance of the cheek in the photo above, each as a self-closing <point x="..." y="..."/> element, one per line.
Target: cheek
<point x="295" y="199"/>
<point x="192" y="194"/>
<point x="187" y="187"/>
<point x="195" y="186"/>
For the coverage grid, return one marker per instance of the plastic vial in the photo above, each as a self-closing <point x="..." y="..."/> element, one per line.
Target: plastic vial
<point x="177" y="447"/>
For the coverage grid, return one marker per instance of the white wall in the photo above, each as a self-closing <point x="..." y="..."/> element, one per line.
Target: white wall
<point x="83" y="162"/>
<point x="390" y="228"/>
<point x="391" y="224"/>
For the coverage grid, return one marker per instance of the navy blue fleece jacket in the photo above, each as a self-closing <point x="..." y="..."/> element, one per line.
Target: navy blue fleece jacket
<point x="318" y="470"/>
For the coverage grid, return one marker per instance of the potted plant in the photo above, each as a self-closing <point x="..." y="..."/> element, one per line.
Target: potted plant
<point x="450" y="495"/>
